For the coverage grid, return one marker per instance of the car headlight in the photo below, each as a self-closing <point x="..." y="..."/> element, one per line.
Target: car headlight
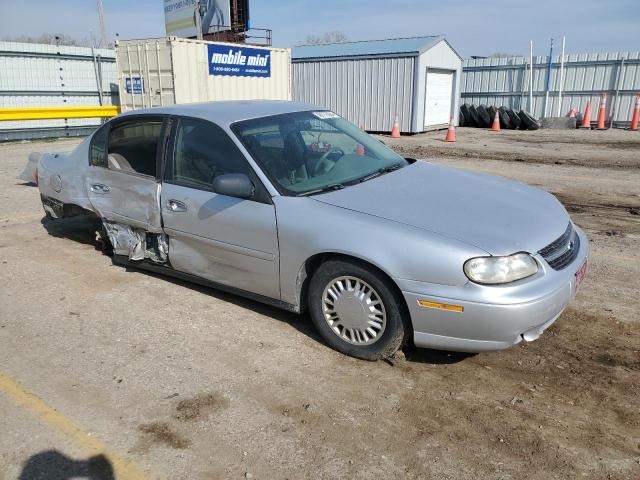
<point x="496" y="270"/>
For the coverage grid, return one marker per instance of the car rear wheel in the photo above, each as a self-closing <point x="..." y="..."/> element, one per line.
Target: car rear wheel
<point x="356" y="310"/>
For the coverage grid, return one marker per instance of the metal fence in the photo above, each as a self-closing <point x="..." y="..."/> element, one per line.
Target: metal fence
<point x="505" y="81"/>
<point x="36" y="75"/>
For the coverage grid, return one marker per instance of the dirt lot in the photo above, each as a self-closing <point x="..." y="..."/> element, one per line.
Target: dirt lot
<point x="177" y="381"/>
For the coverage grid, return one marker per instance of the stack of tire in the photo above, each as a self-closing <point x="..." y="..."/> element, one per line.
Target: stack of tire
<point x="482" y="117"/>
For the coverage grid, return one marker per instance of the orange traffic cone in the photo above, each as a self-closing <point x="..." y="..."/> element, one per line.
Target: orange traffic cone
<point x="586" y="118"/>
<point x="572" y="113"/>
<point x="601" y="112"/>
<point x="451" y="132"/>
<point x="636" y="114"/>
<point x="495" y="127"/>
<point x="395" y="131"/>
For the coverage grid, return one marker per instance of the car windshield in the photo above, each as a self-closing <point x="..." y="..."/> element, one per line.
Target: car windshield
<point x="305" y="153"/>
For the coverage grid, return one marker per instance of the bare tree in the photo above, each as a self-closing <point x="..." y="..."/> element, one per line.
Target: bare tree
<point x="329" y="37"/>
<point x="51" y="39"/>
<point x="501" y="55"/>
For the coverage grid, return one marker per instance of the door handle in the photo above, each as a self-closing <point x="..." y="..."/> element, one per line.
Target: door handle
<point x="100" y="188"/>
<point x="176" y="206"/>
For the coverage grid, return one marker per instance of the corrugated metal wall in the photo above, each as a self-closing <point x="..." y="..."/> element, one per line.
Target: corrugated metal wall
<point x="35" y="75"/>
<point x="367" y="92"/>
<point x="505" y="81"/>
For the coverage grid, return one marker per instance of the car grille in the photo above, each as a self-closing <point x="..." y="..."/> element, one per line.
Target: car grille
<point x="561" y="252"/>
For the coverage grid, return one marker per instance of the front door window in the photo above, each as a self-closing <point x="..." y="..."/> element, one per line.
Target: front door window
<point x="202" y="152"/>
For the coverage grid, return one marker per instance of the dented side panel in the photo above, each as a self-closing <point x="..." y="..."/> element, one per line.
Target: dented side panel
<point x="130" y="210"/>
<point x="136" y="243"/>
<point x="125" y="198"/>
<point x="61" y="176"/>
<point x="227" y="240"/>
<point x="126" y="240"/>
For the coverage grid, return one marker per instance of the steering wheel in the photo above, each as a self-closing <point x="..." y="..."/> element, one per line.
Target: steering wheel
<point x="325" y="164"/>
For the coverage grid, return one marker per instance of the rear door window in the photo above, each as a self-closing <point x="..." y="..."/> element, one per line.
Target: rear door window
<point x="98" y="147"/>
<point x="133" y="147"/>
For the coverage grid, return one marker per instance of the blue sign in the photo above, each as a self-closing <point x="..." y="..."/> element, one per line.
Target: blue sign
<point x="239" y="61"/>
<point x="138" y="84"/>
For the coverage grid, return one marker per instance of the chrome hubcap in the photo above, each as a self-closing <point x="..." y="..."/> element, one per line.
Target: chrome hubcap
<point x="354" y="310"/>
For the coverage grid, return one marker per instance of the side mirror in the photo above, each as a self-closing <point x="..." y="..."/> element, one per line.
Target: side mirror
<point x="233" y="185"/>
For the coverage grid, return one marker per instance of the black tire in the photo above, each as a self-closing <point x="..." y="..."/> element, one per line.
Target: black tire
<point x="473" y="112"/>
<point x="492" y="113"/>
<point x="468" y="120"/>
<point x="505" y="121"/>
<point x="394" y="333"/>
<point x="528" y="120"/>
<point x="514" y="117"/>
<point x="484" y="119"/>
<point x="462" y="120"/>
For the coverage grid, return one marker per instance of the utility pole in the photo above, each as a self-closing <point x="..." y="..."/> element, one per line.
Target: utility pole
<point x="531" y="77"/>
<point x="200" y="9"/>
<point x="103" y="32"/>
<point x="549" y="73"/>
<point x="561" y="78"/>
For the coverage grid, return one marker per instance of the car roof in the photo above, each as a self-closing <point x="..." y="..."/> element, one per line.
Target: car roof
<point x="225" y="113"/>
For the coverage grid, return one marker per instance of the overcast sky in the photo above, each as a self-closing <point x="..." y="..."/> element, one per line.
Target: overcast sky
<point x="474" y="27"/>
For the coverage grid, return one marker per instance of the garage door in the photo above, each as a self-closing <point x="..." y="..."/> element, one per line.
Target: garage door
<point x="439" y="98"/>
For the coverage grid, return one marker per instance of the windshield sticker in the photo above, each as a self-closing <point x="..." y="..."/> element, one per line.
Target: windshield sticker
<point x="325" y="115"/>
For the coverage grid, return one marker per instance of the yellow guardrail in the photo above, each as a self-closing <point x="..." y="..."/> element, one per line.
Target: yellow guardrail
<point x="47" y="113"/>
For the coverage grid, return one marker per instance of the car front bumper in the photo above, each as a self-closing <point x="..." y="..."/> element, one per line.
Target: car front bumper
<point x="492" y="317"/>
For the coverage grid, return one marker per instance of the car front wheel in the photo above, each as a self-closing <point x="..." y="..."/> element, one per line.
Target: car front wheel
<point x="356" y="310"/>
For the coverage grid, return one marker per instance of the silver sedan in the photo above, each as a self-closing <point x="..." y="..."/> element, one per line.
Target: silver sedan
<point x="290" y="204"/>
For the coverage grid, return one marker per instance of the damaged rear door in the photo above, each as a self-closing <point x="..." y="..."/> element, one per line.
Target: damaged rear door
<point x="227" y="240"/>
<point x="123" y="184"/>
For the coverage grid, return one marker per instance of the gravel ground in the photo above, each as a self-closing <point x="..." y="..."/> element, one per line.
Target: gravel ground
<point x="189" y="383"/>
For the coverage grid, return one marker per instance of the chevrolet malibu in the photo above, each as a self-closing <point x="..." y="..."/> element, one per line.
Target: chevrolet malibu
<point x="290" y="204"/>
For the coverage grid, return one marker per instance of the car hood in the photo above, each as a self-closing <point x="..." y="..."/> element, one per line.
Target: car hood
<point x="497" y="215"/>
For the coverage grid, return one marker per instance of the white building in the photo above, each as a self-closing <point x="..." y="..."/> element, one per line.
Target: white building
<point x="368" y="82"/>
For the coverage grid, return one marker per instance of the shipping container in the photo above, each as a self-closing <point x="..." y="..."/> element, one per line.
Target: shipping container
<point x="367" y="82"/>
<point x="172" y="70"/>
